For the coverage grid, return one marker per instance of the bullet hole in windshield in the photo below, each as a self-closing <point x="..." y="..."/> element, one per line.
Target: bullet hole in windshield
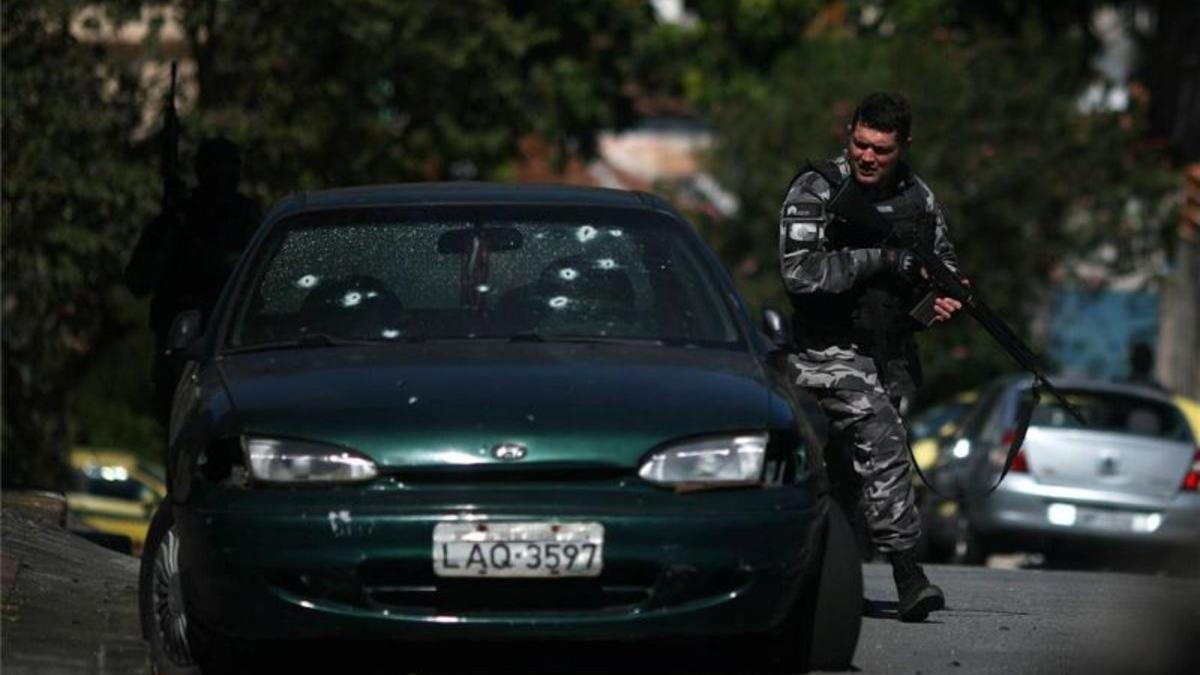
<point x="307" y="281"/>
<point x="559" y="301"/>
<point x="585" y="233"/>
<point x="606" y="264"/>
<point x="568" y="274"/>
<point x="351" y="299"/>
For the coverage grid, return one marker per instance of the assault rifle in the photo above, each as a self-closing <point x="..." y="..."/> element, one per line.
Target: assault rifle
<point x="148" y="262"/>
<point x="172" y="196"/>
<point x="852" y="207"/>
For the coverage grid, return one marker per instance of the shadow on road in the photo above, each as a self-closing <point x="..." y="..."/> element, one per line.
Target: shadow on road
<point x="537" y="658"/>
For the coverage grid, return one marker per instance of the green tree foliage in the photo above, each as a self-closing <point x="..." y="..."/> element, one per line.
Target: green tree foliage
<point x="345" y="92"/>
<point x="74" y="189"/>
<point x="1026" y="178"/>
<point x="318" y="94"/>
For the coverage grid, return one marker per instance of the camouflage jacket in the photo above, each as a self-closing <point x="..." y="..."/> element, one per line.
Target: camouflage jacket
<point x="837" y="345"/>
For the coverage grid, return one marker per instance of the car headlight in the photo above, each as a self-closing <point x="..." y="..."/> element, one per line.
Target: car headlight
<point x="718" y="460"/>
<point x="276" y="460"/>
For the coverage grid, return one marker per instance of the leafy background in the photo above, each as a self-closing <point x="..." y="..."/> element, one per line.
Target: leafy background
<point x="344" y="92"/>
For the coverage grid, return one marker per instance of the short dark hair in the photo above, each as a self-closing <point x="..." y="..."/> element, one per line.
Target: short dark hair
<point x="885" y="112"/>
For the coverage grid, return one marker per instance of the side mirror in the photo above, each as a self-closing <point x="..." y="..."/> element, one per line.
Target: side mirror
<point x="184" y="331"/>
<point x="777" y="329"/>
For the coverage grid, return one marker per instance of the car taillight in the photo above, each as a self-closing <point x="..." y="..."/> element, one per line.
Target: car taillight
<point x="1191" y="481"/>
<point x="1019" y="463"/>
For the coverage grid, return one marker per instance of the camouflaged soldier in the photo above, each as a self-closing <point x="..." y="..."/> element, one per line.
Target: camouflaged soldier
<point x="855" y="352"/>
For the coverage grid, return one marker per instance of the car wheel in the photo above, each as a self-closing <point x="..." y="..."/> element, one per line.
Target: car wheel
<point x="822" y="631"/>
<point x="970" y="548"/>
<point x="165" y="623"/>
<point x="837" y="612"/>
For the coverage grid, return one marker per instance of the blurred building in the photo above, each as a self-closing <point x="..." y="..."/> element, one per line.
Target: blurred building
<point x="1149" y="290"/>
<point x="158" y="26"/>
<point x="662" y="153"/>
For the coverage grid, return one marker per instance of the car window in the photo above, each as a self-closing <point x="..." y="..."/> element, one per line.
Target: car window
<point x="1115" y="412"/>
<point x="931" y="420"/>
<point x="973" y="422"/>
<point x="423" y="277"/>
<point x="109" y="481"/>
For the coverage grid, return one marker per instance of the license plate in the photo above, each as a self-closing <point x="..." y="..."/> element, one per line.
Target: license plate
<point x="1102" y="519"/>
<point x="545" y="549"/>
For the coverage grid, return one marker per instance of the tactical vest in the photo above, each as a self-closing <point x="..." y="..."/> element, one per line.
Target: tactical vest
<point x="872" y="315"/>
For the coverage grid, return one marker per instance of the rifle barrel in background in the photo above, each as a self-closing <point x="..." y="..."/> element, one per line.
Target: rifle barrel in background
<point x="169" y="160"/>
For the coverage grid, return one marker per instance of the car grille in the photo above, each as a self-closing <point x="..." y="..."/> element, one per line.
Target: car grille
<point x="407" y="587"/>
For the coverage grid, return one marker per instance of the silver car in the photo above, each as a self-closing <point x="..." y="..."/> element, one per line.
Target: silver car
<point x="1129" y="477"/>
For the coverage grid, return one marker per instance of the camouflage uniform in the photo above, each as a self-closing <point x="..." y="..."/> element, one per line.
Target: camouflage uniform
<point x="857" y="355"/>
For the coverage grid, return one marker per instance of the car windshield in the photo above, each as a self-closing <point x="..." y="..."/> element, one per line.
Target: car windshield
<point x="419" y="275"/>
<point x="1110" y="411"/>
<point x="931" y="421"/>
<point x="108" y="481"/>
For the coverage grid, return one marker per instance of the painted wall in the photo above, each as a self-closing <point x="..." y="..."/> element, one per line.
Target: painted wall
<point x="1091" y="332"/>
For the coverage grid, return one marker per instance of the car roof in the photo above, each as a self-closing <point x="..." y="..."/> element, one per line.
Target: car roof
<point x="81" y="456"/>
<point x="1093" y="384"/>
<point x="465" y="193"/>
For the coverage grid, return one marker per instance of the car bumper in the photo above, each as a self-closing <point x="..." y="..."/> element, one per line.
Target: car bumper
<point x="360" y="564"/>
<point x="1024" y="507"/>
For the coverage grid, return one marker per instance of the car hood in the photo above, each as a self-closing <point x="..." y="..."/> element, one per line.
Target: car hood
<point x="451" y="404"/>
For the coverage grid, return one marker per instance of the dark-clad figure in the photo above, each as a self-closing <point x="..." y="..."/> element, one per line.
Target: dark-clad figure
<point x="184" y="258"/>
<point x="851" y="292"/>
<point x="1141" y="366"/>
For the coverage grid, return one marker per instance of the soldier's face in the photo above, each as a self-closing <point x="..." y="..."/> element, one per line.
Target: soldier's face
<point x="873" y="154"/>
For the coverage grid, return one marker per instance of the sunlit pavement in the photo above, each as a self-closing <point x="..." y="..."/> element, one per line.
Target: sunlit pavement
<point x="1035" y="621"/>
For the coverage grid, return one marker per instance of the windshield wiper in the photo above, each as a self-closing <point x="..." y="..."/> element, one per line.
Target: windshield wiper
<point x="323" y="340"/>
<point x="531" y="336"/>
<point x="527" y="336"/>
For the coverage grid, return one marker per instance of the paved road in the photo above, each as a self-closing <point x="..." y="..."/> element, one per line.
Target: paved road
<point x="69" y="607"/>
<point x="1034" y="621"/>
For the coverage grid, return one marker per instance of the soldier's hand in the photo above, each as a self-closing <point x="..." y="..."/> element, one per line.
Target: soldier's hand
<point x="904" y="264"/>
<point x="944" y="308"/>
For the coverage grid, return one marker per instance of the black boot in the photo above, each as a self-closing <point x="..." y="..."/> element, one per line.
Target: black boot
<point x="918" y="597"/>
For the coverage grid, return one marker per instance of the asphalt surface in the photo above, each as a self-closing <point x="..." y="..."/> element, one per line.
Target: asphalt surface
<point x="69" y="606"/>
<point x="1035" y="621"/>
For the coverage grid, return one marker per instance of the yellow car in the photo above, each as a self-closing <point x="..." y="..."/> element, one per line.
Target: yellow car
<point x="1191" y="410"/>
<point x="113" y="493"/>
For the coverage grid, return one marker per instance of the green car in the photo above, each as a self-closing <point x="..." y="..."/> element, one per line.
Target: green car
<point x="454" y="412"/>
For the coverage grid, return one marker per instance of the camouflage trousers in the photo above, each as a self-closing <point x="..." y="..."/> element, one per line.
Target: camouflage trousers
<point x="867" y="455"/>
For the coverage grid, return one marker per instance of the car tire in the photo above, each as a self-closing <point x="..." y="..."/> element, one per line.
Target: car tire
<point x="836" y="617"/>
<point x="177" y="642"/>
<point x="821" y="633"/>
